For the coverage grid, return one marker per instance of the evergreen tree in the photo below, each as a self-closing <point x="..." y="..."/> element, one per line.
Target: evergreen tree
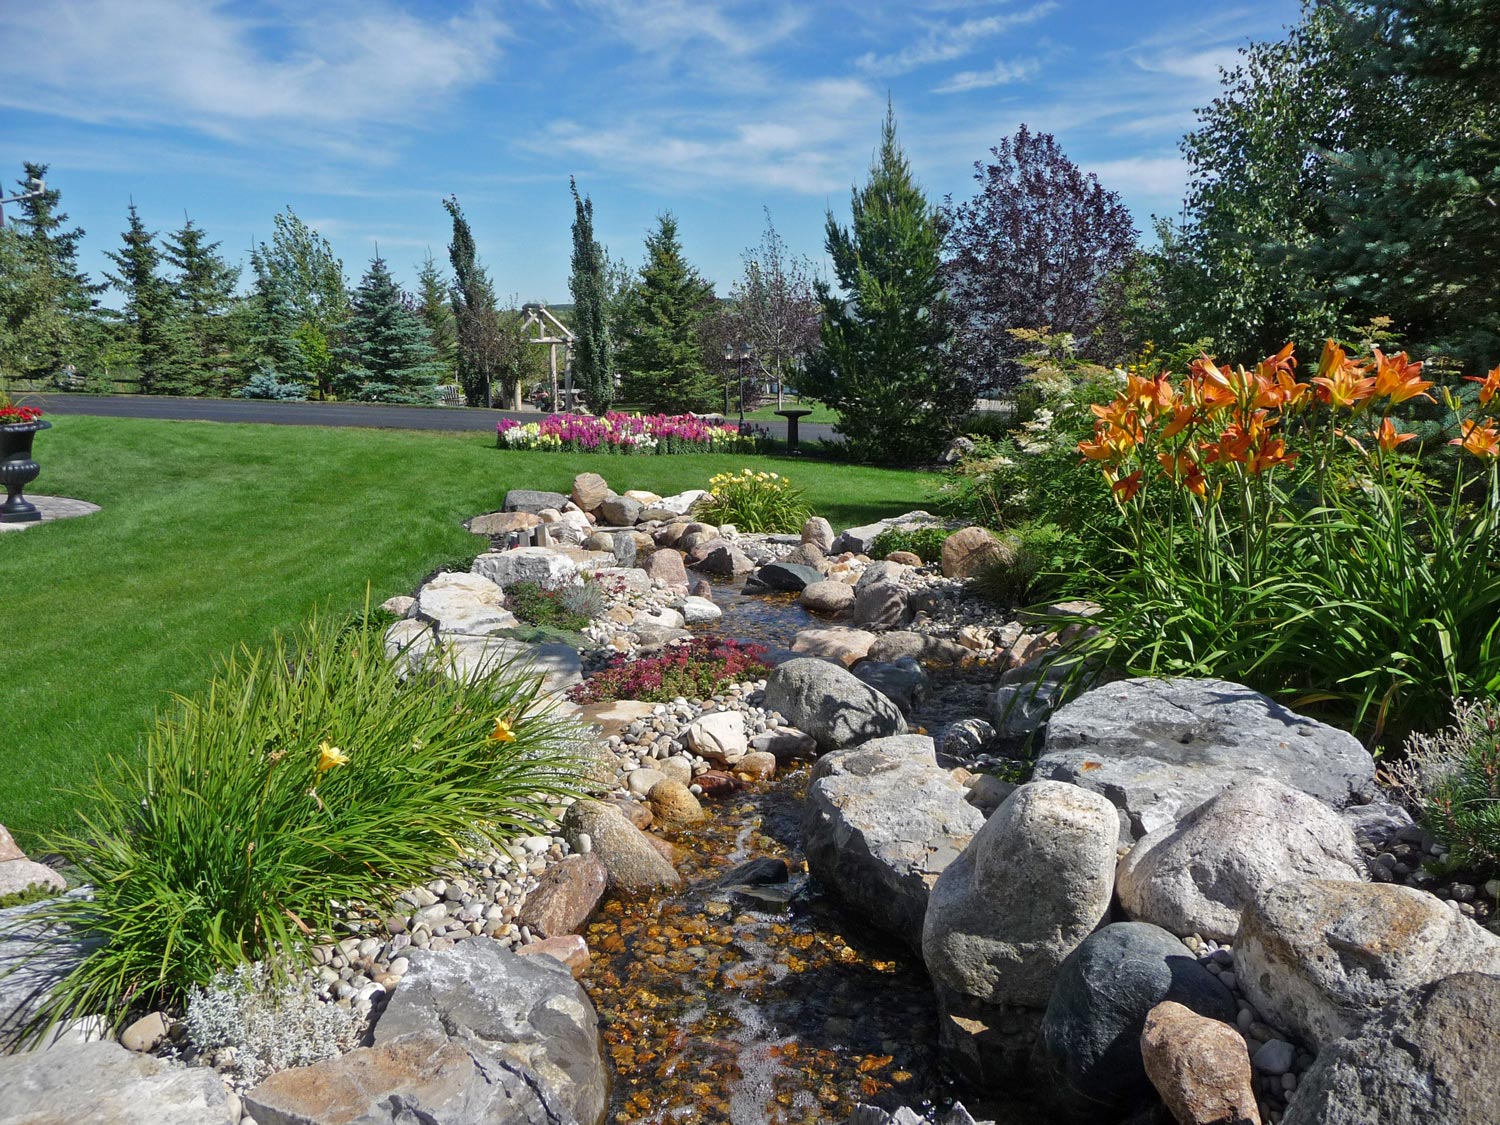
<point x="386" y="355"/>
<point x="593" y="353"/>
<point x="204" y="293"/>
<point x="437" y="315"/>
<point x="883" y="363"/>
<point x="660" y="357"/>
<point x="162" y="347"/>
<point x="482" y="353"/>
<point x="272" y="347"/>
<point x="309" y="285"/>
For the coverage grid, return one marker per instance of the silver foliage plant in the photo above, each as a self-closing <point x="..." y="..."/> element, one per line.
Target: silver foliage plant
<point x="1429" y="760"/>
<point x="270" y="1023"/>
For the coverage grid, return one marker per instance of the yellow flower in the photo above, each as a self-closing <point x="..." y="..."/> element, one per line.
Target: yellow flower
<point x="330" y="756"/>
<point x="502" y="731"/>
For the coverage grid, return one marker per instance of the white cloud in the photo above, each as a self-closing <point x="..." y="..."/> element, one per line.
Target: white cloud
<point x="1153" y="176"/>
<point x="668" y="27"/>
<point x="183" y="62"/>
<point x="948" y="41"/>
<point x="1001" y="74"/>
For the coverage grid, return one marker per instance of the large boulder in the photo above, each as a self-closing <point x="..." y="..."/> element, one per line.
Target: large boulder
<point x="920" y="646"/>
<point x="827" y="702"/>
<point x="1197" y="876"/>
<point x="1088" y="1055"/>
<point x="565" y="896"/>
<point x="666" y="566"/>
<point x="1319" y="957"/>
<point x="101" y="1083"/>
<point x="468" y="658"/>
<point x="1160" y="748"/>
<point x="533" y="501"/>
<point x="544" y="566"/>
<point x="903" y="682"/>
<point x="589" y="491"/>
<point x="968" y="551"/>
<point x="458" y="602"/>
<point x="628" y="854"/>
<point x="818" y="532"/>
<point x="827" y="595"/>
<point x="1199" y="1067"/>
<point x="619" y="511"/>
<point x="788" y="577"/>
<point x="882" y="821"/>
<point x="1429" y="1058"/>
<point x="881" y="605"/>
<point x="1032" y="884"/>
<point x="726" y="561"/>
<point x="836" y="643"/>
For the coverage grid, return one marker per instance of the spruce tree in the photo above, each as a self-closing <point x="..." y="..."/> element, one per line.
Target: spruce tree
<point x="437" y="314"/>
<point x="386" y="356"/>
<point x="162" y="347"/>
<point x="593" y="353"/>
<point x="660" y="357"/>
<point x="481" y="352"/>
<point x="272" y="349"/>
<point x="883" y="362"/>
<point x="204" y="293"/>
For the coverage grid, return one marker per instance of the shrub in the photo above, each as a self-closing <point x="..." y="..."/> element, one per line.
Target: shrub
<point x="755" y="502"/>
<point x="272" y="1023"/>
<point x="1038" y="568"/>
<point x="924" y="542"/>
<point x="1451" y="781"/>
<point x="695" y="669"/>
<point x="266" y="384"/>
<point x="553" y="609"/>
<point x="309" y="776"/>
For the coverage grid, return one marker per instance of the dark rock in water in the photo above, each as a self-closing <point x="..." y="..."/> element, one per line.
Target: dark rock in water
<point x="766" y="869"/>
<point x="531" y="500"/>
<point x="762" y="897"/>
<point x="702" y="588"/>
<point x="1088" y="1055"/>
<point x="903" y="682"/>
<point x="787" y="577"/>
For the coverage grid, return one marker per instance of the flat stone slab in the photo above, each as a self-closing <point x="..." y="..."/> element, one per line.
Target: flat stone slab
<point x="53" y="508"/>
<point x="104" y="1084"/>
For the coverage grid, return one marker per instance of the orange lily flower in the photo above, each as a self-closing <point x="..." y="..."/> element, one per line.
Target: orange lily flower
<point x="1398" y="379"/>
<point x="1347" y="386"/>
<point x="1282" y="363"/>
<point x="1488" y="385"/>
<point x="1127" y="487"/>
<point x="1182" y="416"/>
<point x="1388" y="438"/>
<point x="1279" y="392"/>
<point x="1185" y="470"/>
<point x="1268" y="455"/>
<point x="1480" y="440"/>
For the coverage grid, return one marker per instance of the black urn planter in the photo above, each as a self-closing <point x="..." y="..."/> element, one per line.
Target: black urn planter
<point x="18" y="469"/>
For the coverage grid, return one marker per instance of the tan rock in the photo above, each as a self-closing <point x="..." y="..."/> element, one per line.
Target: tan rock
<point x="17" y="875"/>
<point x="845" y="645"/>
<point x="565" y="896"/>
<point x="1199" y="1066"/>
<point x="673" y="804"/>
<point x="589" y="491"/>
<point x="758" y="764"/>
<point x="9" y="849"/>
<point x="642" y="497"/>
<point x="969" y="550"/>
<point x="828" y="596"/>
<point x="905" y="558"/>
<point x="502" y="523"/>
<point x="146" y="1033"/>
<point x="570" y="949"/>
<point x="615" y="716"/>
<point x="667" y="565"/>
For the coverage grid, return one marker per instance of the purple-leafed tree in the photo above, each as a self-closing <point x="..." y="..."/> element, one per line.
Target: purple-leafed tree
<point x="1035" y="247"/>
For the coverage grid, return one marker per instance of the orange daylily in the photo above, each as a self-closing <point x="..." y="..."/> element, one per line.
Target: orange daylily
<point x="1279" y="391"/>
<point x="1480" y="440"/>
<point x="1388" y="437"/>
<point x="1488" y="385"/>
<point x="1347" y="386"/>
<point x="1127" y="487"/>
<point x="1182" y="416"/>
<point x="1398" y="379"/>
<point x="1269" y="454"/>
<point x="1185" y="470"/>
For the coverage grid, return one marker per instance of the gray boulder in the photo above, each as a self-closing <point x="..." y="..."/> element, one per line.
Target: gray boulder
<point x="465" y="657"/>
<point x="1430" y="1058"/>
<point x="1319" y="957"/>
<point x="666" y="565"/>
<point x="788" y="577"/>
<point x="532" y="500"/>
<point x="458" y="602"/>
<point x="828" y="595"/>
<point x="102" y="1083"/>
<point x="619" y="511"/>
<point x="882" y="605"/>
<point x="1032" y="884"/>
<point x="920" y="646"/>
<point x="544" y="566"/>
<point x="1197" y="876"/>
<point x="1160" y="748"/>
<point x="627" y="853"/>
<point x="882" y="821"/>
<point x="1088" y="1055"/>
<point x="904" y="682"/>
<point x="858" y="539"/>
<point x="827" y="702"/>
<point x="727" y="561"/>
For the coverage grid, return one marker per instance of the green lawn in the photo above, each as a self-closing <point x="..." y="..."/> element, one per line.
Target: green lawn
<point x="216" y="534"/>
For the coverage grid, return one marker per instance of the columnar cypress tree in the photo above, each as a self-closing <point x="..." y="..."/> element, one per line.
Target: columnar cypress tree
<point x="480" y="350"/>
<point x="661" y="360"/>
<point x="163" y="350"/>
<point x="593" y="354"/>
<point x="883" y="362"/>
<point x="204" y="293"/>
<point x="386" y="356"/>
<point x="437" y="314"/>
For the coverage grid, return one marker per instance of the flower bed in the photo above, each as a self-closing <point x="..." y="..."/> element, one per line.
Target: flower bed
<point x="627" y="433"/>
<point x="693" y="670"/>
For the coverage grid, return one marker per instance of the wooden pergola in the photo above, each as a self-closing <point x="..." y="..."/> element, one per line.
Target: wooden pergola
<point x="551" y="332"/>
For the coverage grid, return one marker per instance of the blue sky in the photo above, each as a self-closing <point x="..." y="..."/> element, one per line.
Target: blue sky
<point x="362" y="116"/>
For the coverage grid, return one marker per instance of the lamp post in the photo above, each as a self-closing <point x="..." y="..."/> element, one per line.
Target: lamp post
<point x="738" y="353"/>
<point x="35" y="188"/>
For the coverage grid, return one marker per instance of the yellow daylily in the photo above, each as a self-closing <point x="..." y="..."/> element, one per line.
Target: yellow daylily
<point x="502" y="731"/>
<point x="330" y="756"/>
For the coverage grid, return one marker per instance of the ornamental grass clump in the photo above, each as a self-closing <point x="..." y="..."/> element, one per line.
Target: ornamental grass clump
<point x="695" y="669"/>
<point x="754" y="501"/>
<point x="310" y="778"/>
<point x="1286" y="533"/>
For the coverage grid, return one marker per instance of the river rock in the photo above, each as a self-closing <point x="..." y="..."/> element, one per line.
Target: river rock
<point x="904" y="682"/>
<point x="639" y="782"/>
<point x="819" y="532"/>
<point x="827" y="595"/>
<point x="565" y="897"/>
<point x="919" y="646"/>
<point x="102" y="1083"/>
<point x="589" y="491"/>
<point x="727" y="561"/>
<point x="614" y="716"/>
<point x="1196" y="877"/>
<point x="619" y="511"/>
<point x="569" y="950"/>
<point x="1429" y="1058"/>
<point x="881" y="823"/>
<point x="1160" y="748"/>
<point x="881" y="605"/>
<point x="786" y="743"/>
<point x="658" y="617"/>
<point x="788" y="577"/>
<point x="886" y="570"/>
<point x="457" y="602"/>
<point x="905" y="558"/>
<point x="1088" y="1055"/>
<point x="1319" y="957"/>
<point x="808" y="555"/>
<point x="699" y="611"/>
<point x="550" y="569"/>
<point x="830" y="704"/>
<point x="532" y="500"/>
<point x="666" y="565"/>
<point x="757" y="765"/>
<point x="626" y="852"/>
<point x="719" y="736"/>
<point x="146" y="1033"/>
<point x="836" y="643"/>
<point x="17" y="875"/>
<point x="673" y="805"/>
<point x="1032" y="884"/>
<point x="969" y="550"/>
<point x="1199" y="1067"/>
